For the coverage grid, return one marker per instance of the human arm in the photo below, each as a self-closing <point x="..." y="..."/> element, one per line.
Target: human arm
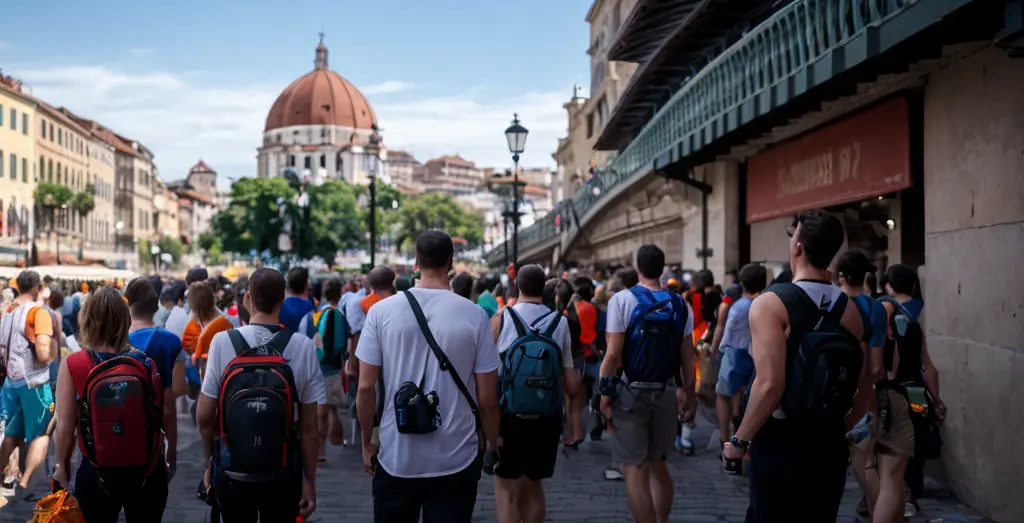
<point x="66" y="411"/>
<point x="310" y="443"/>
<point x="178" y="382"/>
<point x="485" y="376"/>
<point x="369" y="351"/>
<point x="768" y="325"/>
<point x="723" y="316"/>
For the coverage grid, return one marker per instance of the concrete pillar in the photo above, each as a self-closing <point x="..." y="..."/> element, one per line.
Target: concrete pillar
<point x="724" y="220"/>
<point x="974" y="244"/>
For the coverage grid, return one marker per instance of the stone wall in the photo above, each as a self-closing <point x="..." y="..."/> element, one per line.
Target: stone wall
<point x="974" y="240"/>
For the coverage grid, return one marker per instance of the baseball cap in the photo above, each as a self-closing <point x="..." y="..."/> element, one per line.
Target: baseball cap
<point x="196" y="274"/>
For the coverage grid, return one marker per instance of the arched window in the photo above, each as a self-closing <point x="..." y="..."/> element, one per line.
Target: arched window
<point x="323" y="161"/>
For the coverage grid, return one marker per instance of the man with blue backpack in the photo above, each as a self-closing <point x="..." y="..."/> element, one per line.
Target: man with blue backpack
<point x="649" y="331"/>
<point x="535" y="350"/>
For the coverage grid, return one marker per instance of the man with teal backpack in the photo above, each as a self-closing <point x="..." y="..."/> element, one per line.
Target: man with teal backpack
<point x="329" y="330"/>
<point x="535" y="350"/>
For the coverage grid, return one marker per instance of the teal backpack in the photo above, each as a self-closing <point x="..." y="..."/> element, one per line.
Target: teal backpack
<point x="333" y="329"/>
<point x="531" y="376"/>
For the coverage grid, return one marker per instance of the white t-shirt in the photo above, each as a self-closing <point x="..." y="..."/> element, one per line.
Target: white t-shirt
<point x="620" y="311"/>
<point x="300" y="354"/>
<point x="354" y="314"/>
<point x="177" y="320"/>
<point x="530" y="313"/>
<point x="393" y="340"/>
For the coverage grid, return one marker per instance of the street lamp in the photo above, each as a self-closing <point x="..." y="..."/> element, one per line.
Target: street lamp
<point x="155" y="251"/>
<point x="372" y="158"/>
<point x="516" y="137"/>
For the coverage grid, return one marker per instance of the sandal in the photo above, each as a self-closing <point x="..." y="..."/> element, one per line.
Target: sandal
<point x="575" y="443"/>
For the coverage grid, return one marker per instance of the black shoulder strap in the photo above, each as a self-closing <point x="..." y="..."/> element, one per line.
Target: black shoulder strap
<point x="442" y="358"/>
<point x="238" y="342"/>
<point x="551" y="326"/>
<point x="279" y="341"/>
<point x="518" y="322"/>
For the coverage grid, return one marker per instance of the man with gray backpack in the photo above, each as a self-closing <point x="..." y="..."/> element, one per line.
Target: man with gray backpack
<point x="535" y="350"/>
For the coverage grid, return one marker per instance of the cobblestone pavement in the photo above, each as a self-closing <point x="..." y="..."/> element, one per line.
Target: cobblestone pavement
<point x="577" y="492"/>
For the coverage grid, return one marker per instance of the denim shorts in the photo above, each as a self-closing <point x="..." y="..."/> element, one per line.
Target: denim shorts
<point x="735" y="372"/>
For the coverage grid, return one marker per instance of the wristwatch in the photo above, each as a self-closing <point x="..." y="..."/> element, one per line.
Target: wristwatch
<point x="739" y="443"/>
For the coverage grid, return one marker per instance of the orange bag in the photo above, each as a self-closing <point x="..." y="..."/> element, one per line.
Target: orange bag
<point x="59" y="507"/>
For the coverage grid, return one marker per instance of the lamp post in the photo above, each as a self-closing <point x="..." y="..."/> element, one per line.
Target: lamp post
<point x="372" y="158"/>
<point x="516" y="137"/>
<point x="154" y="249"/>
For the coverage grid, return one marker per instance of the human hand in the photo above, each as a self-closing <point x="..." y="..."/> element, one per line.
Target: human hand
<point x="369" y="454"/>
<point x="606" y="408"/>
<point x="940" y="410"/>
<point x="59" y="479"/>
<point x="308" y="502"/>
<point x="731" y="451"/>
<point x="208" y="476"/>
<point x="680" y="400"/>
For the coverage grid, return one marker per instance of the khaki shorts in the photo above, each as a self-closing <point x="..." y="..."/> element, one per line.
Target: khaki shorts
<point x="333" y="392"/>
<point x="899" y="439"/>
<point x="643" y="424"/>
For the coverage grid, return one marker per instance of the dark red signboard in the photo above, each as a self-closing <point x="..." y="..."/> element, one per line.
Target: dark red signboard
<point x="861" y="156"/>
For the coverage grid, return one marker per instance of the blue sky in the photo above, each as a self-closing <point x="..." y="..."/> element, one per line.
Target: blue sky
<point x="195" y="79"/>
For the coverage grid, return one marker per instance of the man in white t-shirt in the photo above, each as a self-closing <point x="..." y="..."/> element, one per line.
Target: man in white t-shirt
<point x="643" y="408"/>
<point x="529" y="446"/>
<point x="289" y="494"/>
<point x="434" y="473"/>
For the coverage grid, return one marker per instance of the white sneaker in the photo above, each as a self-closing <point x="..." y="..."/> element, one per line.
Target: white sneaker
<point x="909" y="510"/>
<point x="9" y="487"/>
<point x="612" y="474"/>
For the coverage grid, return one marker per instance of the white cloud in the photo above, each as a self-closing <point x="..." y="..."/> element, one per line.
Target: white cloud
<point x="139" y="52"/>
<point x="388" y="87"/>
<point x="186" y="116"/>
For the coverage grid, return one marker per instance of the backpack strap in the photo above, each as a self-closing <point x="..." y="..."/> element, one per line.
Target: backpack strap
<point x="518" y="322"/>
<point x="550" y="329"/>
<point x="442" y="358"/>
<point x="238" y="341"/>
<point x="79" y="366"/>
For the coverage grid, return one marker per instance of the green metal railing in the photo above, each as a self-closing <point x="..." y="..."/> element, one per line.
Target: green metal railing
<point x="793" y="38"/>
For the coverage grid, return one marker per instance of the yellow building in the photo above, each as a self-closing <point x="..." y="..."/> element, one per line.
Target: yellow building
<point x="17" y="176"/>
<point x="62" y="148"/>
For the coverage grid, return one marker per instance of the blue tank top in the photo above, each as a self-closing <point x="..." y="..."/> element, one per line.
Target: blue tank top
<point x="737" y="326"/>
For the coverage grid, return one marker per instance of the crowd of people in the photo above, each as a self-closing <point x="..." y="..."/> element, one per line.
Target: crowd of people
<point x="460" y="375"/>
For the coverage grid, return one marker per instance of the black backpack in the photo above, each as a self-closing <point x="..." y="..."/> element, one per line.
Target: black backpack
<point x="823" y="359"/>
<point x="258" y="401"/>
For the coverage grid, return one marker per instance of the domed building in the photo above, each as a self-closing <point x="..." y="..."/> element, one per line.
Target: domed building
<point x="318" y="127"/>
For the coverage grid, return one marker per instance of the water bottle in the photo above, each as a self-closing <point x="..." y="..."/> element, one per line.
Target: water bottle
<point x="861" y="430"/>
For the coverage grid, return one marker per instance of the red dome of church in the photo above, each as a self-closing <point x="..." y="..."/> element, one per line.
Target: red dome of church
<point x="321" y="97"/>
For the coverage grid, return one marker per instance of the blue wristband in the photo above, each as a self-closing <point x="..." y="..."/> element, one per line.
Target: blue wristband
<point x="608" y="385"/>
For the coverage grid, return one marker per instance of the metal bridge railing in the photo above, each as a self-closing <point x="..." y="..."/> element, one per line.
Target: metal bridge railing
<point x="787" y="42"/>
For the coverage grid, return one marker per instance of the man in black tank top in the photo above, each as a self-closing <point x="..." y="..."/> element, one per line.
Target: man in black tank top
<point x="797" y="467"/>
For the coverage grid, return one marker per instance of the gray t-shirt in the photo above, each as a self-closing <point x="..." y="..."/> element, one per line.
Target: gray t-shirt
<point x="530" y="313"/>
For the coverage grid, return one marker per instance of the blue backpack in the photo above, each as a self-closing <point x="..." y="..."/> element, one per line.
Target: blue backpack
<point x="651" y="351"/>
<point x="531" y="373"/>
<point x="333" y="329"/>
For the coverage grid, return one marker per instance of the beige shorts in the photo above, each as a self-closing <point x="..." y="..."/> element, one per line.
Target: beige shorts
<point x="644" y="424"/>
<point x="333" y="392"/>
<point x="899" y="439"/>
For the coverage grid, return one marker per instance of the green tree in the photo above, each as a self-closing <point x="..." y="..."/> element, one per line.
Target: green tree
<point x="83" y="203"/>
<point x="172" y="246"/>
<point x="49" y="198"/>
<point x="437" y="211"/>
<point x="335" y="220"/>
<point x="253" y="219"/>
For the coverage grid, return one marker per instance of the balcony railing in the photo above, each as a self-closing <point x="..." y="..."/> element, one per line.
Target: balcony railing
<point x="786" y="43"/>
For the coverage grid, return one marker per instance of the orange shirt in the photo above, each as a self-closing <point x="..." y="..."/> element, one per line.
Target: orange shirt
<point x="369" y="300"/>
<point x="37" y="322"/>
<point x="587" y="314"/>
<point x="196" y="340"/>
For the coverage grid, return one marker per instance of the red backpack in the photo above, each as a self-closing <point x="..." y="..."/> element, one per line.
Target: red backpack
<point x="120" y="417"/>
<point x="257" y="406"/>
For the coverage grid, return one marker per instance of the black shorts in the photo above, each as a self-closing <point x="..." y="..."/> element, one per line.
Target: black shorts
<point x="529" y="447"/>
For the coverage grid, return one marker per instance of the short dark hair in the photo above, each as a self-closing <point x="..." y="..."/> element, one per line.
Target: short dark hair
<point x="169" y="294"/>
<point x="530" y="280"/>
<point x="298" y="280"/>
<point x="902" y="278"/>
<point x="703" y="279"/>
<point x="462" y="284"/>
<point x="564" y="292"/>
<point x="28" y="280"/>
<point x="382" y="278"/>
<point x="854" y="266"/>
<point x="332" y="289"/>
<point x="267" y="289"/>
<point x="403" y="284"/>
<point x="157" y="283"/>
<point x="434" y="250"/>
<point x="56" y="300"/>
<point x="196" y="274"/>
<point x="550" y="289"/>
<point x="142" y="298"/>
<point x="753" y="277"/>
<point x="584" y="288"/>
<point x="821" y="235"/>
<point x="650" y="261"/>
<point x="627" y="277"/>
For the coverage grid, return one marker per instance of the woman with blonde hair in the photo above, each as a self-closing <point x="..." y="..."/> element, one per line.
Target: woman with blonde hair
<point x="130" y="460"/>
<point x="206" y="322"/>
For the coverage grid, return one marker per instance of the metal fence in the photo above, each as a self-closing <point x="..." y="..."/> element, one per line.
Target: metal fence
<point x="786" y="43"/>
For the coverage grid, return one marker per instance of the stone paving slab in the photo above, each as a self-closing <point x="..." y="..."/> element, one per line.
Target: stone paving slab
<point x="577" y="492"/>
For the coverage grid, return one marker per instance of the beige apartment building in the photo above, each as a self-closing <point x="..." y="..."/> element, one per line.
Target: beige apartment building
<point x="406" y="171"/>
<point x="62" y="147"/>
<point x="587" y="116"/>
<point x="17" y="164"/>
<point x="166" y="211"/>
<point x="452" y="174"/>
